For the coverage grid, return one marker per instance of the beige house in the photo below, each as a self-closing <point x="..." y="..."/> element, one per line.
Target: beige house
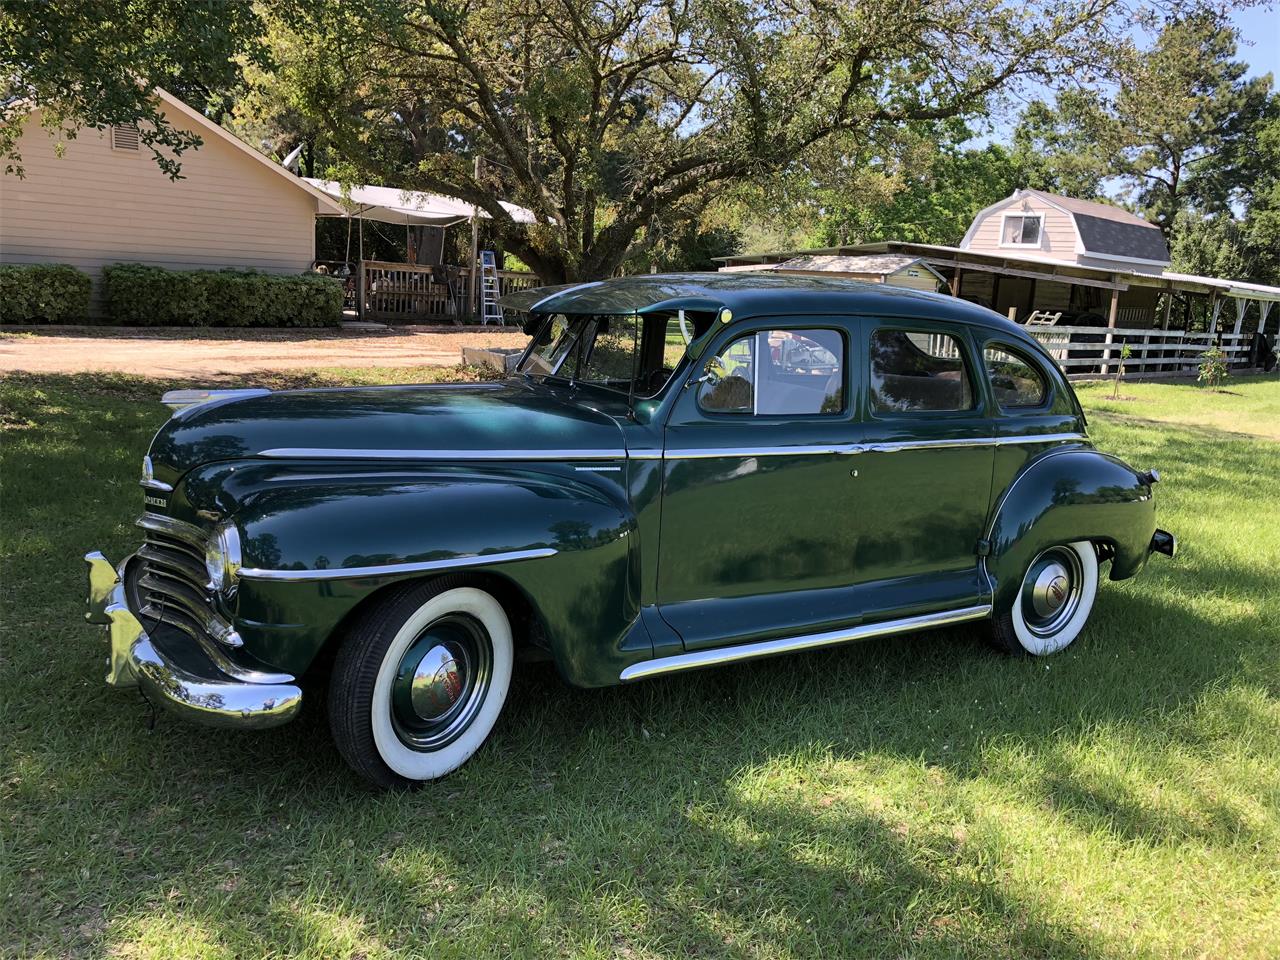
<point x="105" y="201"/>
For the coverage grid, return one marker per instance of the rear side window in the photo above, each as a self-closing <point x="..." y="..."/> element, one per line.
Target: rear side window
<point x="1015" y="380"/>
<point x="918" y="371"/>
<point x="777" y="372"/>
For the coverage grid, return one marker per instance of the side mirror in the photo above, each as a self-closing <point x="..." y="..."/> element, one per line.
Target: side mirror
<point x="713" y="372"/>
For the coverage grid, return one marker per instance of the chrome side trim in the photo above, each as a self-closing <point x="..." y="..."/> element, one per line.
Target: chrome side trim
<point x="767" y="648"/>
<point x="844" y="449"/>
<point x="158" y="485"/>
<point x="848" y="449"/>
<point x="344" y="453"/>
<point x="894" y="447"/>
<point x="393" y="569"/>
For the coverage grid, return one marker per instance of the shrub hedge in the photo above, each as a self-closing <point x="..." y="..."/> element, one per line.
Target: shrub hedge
<point x="137" y="294"/>
<point x="43" y="293"/>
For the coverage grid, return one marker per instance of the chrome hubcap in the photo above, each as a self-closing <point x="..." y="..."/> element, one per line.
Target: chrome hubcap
<point x="1051" y="591"/>
<point x="441" y="682"/>
<point x="436" y="683"/>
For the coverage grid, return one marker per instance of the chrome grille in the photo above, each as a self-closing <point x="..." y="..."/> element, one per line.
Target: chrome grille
<point x="173" y="584"/>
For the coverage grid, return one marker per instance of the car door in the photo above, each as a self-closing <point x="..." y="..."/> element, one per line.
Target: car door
<point x="757" y="534"/>
<point x="925" y="478"/>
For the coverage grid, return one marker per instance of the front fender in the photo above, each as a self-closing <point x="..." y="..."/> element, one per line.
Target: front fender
<point x="1066" y="495"/>
<point x="317" y="517"/>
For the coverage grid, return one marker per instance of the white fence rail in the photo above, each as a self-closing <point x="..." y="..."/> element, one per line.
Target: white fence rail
<point x="1094" y="351"/>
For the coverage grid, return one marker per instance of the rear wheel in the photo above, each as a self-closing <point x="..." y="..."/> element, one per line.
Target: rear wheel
<point x="418" y="684"/>
<point x="1053" y="601"/>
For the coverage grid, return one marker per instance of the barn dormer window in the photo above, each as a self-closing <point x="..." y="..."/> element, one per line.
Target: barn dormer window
<point x="1021" y="229"/>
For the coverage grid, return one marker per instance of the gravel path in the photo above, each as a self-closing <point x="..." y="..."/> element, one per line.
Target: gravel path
<point x="181" y="353"/>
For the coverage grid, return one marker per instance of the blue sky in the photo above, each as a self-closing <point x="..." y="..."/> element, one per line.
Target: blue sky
<point x="1261" y="25"/>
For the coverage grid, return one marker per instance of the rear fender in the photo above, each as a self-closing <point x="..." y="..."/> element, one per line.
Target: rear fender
<point x="1066" y="495"/>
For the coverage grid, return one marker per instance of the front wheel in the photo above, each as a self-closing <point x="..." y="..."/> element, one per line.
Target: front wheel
<point x="1053" y="601"/>
<point x="418" y="684"/>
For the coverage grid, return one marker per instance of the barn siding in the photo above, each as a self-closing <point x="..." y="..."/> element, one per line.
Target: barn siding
<point x="1058" y="238"/>
<point x="96" y="206"/>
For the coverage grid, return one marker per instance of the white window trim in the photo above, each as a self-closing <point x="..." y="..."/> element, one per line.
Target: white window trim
<point x="1022" y="215"/>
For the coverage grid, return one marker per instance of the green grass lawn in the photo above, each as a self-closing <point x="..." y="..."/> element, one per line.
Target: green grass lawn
<point x="917" y="797"/>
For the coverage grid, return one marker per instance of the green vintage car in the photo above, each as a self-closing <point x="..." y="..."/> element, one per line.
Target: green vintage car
<point x="683" y="471"/>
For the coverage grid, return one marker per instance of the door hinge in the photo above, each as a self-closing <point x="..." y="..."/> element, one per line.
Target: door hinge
<point x="983" y="549"/>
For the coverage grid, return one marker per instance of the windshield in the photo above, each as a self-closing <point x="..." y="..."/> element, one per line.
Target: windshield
<point x="631" y="354"/>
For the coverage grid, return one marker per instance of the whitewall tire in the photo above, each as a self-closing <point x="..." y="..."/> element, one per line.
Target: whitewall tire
<point x="1053" y="603"/>
<point x="420" y="681"/>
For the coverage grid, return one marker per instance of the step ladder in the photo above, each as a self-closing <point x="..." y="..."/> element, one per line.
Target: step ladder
<point x="489" y="289"/>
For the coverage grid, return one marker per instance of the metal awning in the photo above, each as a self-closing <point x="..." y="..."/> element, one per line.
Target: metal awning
<point x="408" y="207"/>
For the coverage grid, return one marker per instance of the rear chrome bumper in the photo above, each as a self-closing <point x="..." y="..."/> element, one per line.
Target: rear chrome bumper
<point x="179" y="674"/>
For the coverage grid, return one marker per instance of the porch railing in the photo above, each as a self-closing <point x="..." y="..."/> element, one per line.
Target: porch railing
<point x="409" y="293"/>
<point x="1092" y="351"/>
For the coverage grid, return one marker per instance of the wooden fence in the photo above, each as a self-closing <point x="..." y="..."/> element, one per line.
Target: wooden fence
<point x="1093" y="351"/>
<point x="408" y="293"/>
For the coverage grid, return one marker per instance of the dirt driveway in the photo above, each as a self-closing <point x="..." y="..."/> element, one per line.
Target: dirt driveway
<point x="183" y="353"/>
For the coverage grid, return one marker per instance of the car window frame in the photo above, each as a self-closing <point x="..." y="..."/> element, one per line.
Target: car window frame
<point x="849" y="407"/>
<point x="982" y="402"/>
<point x="1050" y="388"/>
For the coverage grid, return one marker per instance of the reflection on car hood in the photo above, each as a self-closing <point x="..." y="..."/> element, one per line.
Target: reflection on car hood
<point x="513" y="415"/>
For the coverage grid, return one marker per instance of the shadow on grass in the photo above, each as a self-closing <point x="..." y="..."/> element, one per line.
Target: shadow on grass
<point x="665" y="817"/>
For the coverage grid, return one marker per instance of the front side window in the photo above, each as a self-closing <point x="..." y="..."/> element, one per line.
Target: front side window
<point x="777" y="373"/>
<point x="627" y="353"/>
<point x="918" y="371"/>
<point x="1015" y="381"/>
<point x="1021" y="230"/>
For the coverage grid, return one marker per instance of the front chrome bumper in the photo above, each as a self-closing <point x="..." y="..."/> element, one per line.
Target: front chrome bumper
<point x="179" y="674"/>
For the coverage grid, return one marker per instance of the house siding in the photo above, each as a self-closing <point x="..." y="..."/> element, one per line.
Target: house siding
<point x="96" y="205"/>
<point x="924" y="280"/>
<point x="1058" y="238"/>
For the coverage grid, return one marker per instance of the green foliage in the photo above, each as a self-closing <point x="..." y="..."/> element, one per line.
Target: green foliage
<point x="927" y="191"/>
<point x="1125" y="353"/>
<point x="605" y="119"/>
<point x="92" y="63"/>
<point x="140" y="295"/>
<point x="43" y="293"/>
<point x="1208" y="246"/>
<point x="1213" y="368"/>
<point x="1177" y="132"/>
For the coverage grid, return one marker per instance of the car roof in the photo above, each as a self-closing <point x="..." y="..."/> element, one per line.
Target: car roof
<point x="750" y="294"/>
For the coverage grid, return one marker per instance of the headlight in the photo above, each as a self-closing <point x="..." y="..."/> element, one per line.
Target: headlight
<point x="222" y="558"/>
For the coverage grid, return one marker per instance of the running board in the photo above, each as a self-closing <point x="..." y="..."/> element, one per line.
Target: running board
<point x="768" y="648"/>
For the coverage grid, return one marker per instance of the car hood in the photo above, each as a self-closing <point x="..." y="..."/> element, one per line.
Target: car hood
<point x="519" y="416"/>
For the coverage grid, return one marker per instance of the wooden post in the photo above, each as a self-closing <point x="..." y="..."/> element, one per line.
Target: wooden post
<point x="1111" y="325"/>
<point x="1168" y="305"/>
<point x="473" y="278"/>
<point x="955" y="283"/>
<point x="360" y="290"/>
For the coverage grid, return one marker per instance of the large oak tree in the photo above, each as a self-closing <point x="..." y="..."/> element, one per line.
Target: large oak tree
<point x="607" y="117"/>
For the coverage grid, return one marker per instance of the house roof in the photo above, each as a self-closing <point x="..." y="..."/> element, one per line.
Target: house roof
<point x="881" y="265"/>
<point x="324" y="203"/>
<point x="393" y="205"/>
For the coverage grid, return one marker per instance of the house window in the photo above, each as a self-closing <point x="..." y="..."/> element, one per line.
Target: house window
<point x="124" y="137"/>
<point x="1021" y="230"/>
